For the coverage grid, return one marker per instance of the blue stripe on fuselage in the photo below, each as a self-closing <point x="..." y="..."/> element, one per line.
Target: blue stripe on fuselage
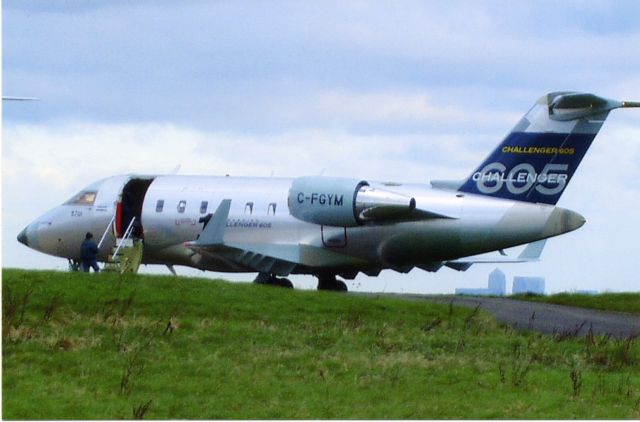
<point x="531" y="167"/>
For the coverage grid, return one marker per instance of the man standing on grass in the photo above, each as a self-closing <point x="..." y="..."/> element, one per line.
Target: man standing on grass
<point x="89" y="253"/>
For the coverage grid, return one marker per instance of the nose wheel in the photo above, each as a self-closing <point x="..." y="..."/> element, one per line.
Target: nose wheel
<point x="272" y="280"/>
<point x="329" y="282"/>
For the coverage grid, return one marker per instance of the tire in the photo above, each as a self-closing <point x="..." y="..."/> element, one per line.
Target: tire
<point x="285" y="282"/>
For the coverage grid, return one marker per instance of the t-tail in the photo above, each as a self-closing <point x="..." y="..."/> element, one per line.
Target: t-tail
<point x="536" y="161"/>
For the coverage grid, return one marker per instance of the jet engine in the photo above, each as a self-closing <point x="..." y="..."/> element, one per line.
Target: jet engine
<point x="343" y="202"/>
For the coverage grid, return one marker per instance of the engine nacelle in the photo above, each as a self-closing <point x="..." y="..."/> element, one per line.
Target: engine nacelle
<point x="342" y="202"/>
<point x="328" y="201"/>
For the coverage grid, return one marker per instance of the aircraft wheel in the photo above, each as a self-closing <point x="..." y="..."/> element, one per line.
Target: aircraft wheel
<point x="331" y="283"/>
<point x="285" y="282"/>
<point x="272" y="280"/>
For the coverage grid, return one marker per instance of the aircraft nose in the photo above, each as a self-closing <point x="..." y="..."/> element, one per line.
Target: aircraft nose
<point x="22" y="237"/>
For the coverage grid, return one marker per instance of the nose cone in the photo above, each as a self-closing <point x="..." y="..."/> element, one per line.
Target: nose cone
<point x="22" y="237"/>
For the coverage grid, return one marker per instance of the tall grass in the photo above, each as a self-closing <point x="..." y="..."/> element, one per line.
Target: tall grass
<point x="102" y="346"/>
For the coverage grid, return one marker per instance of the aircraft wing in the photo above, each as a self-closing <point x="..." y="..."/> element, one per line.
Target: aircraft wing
<point x="276" y="258"/>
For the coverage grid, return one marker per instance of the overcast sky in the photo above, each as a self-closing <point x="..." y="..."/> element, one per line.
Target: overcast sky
<point x="404" y="91"/>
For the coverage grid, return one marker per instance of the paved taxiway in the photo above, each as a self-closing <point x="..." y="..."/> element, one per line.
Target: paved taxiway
<point x="547" y="318"/>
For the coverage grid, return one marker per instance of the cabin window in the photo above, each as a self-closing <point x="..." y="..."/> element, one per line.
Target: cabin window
<point x="87" y="197"/>
<point x="182" y="205"/>
<point x="248" y="209"/>
<point x="272" y="209"/>
<point x="159" y="205"/>
<point x="203" y="207"/>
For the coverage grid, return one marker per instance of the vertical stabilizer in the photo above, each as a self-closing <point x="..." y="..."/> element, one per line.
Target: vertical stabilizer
<point x="536" y="161"/>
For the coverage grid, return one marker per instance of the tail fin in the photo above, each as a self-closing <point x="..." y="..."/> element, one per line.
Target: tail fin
<point x="536" y="161"/>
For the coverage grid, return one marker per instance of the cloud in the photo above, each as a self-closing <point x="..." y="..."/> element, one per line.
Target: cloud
<point x="62" y="154"/>
<point x="226" y="66"/>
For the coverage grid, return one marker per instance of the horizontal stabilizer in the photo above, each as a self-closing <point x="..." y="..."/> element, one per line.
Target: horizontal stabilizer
<point x="453" y="185"/>
<point x="530" y="254"/>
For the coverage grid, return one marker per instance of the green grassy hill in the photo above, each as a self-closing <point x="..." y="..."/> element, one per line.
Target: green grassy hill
<point x="97" y="346"/>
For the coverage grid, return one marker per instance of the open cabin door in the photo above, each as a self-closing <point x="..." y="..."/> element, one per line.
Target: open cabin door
<point x="130" y="206"/>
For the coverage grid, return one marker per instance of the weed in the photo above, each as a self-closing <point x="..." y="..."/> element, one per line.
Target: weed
<point x="576" y="379"/>
<point x="431" y="325"/>
<point x="352" y="320"/>
<point x="53" y="304"/>
<point x="64" y="343"/>
<point x="393" y="375"/>
<point x="590" y="338"/>
<point x="519" y="365"/>
<point x="172" y="325"/>
<point x="600" y="385"/>
<point x="621" y="354"/>
<point x="613" y="354"/>
<point x="531" y="320"/>
<point x="569" y="333"/>
<point x="134" y="365"/>
<point x="538" y="348"/>
<point x="624" y="385"/>
<point x="14" y="306"/>
<point x="469" y="319"/>
<point x="140" y="410"/>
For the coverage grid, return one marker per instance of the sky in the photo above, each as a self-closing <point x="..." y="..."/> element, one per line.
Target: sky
<point x="402" y="91"/>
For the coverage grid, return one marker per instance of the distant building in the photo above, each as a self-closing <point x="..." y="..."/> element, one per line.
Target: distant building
<point x="497" y="282"/>
<point x="497" y="286"/>
<point x="528" y="285"/>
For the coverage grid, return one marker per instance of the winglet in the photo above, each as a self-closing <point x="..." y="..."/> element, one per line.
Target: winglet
<point x="533" y="250"/>
<point x="213" y="233"/>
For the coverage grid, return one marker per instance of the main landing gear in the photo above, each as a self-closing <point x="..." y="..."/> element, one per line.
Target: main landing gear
<point x="329" y="282"/>
<point x="272" y="280"/>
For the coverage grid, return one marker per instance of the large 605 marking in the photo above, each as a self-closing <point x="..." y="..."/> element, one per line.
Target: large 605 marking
<point x="550" y="181"/>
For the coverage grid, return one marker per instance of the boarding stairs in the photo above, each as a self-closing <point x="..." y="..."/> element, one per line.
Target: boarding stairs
<point x="126" y="255"/>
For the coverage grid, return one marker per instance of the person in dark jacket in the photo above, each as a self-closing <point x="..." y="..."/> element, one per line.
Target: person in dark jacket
<point x="89" y="253"/>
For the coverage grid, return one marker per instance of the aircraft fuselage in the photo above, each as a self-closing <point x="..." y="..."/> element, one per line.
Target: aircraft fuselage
<point x="172" y="208"/>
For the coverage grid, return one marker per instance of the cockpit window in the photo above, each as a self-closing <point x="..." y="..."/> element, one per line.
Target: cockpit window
<point x="86" y="197"/>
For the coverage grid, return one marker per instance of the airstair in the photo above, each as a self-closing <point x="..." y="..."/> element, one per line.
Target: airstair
<point x="126" y="254"/>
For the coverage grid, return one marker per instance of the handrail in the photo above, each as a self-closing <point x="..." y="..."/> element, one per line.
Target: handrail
<point x="104" y="235"/>
<point x="126" y="235"/>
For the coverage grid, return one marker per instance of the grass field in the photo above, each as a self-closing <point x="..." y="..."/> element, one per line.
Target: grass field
<point x="97" y="346"/>
<point x="620" y="302"/>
